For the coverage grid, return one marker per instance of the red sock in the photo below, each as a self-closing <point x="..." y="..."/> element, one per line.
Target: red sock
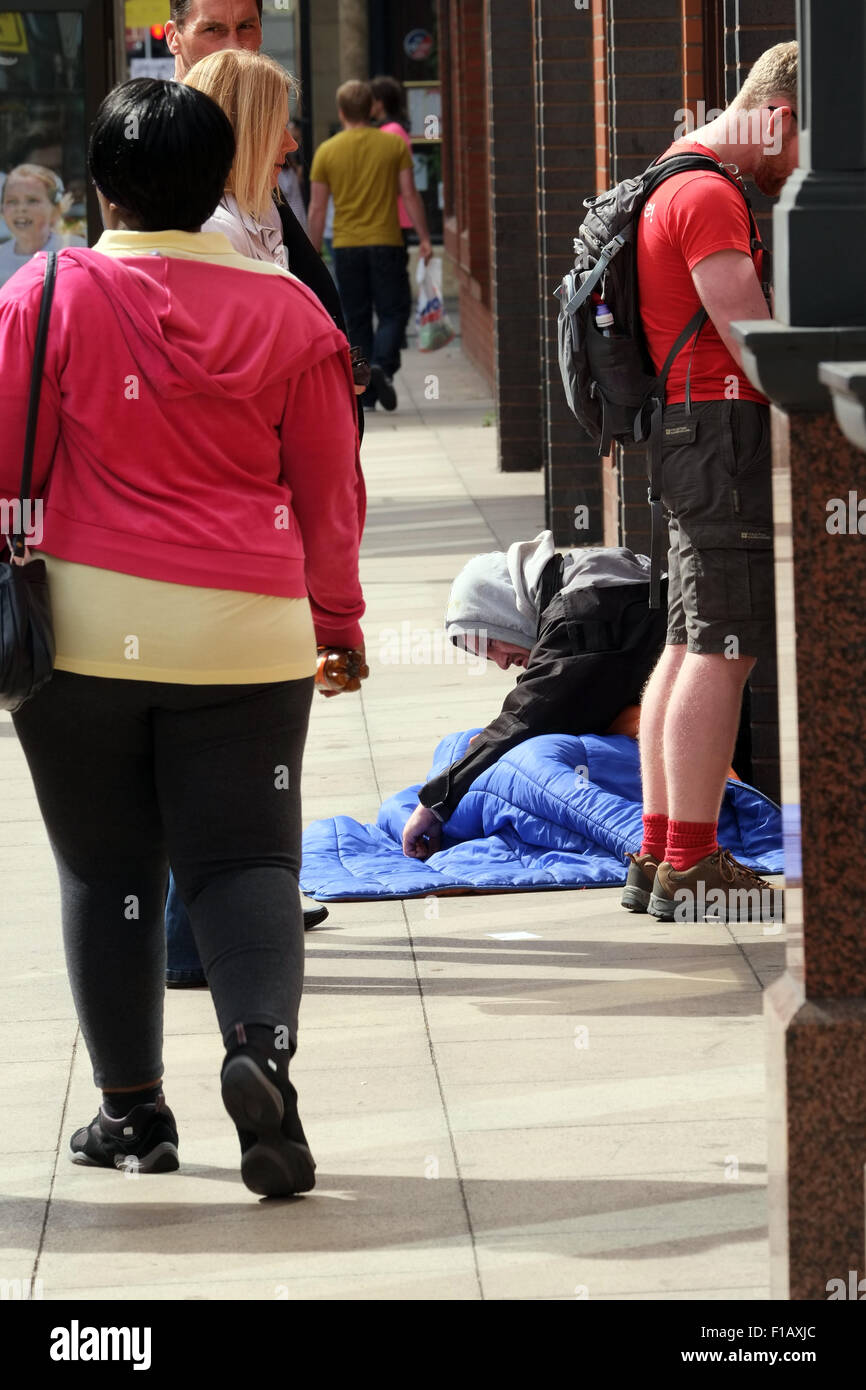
<point x="655" y="829"/>
<point x="690" y="841"/>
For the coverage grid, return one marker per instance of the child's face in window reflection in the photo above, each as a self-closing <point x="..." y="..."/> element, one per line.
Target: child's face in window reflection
<point x="28" y="211"/>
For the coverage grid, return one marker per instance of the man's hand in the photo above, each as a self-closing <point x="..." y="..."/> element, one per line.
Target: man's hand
<point x="415" y="208"/>
<point x="422" y="835"/>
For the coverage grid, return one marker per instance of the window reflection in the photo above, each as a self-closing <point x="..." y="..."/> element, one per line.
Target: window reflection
<point x="42" y="135"/>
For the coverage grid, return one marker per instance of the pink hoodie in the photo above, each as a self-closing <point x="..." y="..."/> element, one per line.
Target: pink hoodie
<point x="197" y="425"/>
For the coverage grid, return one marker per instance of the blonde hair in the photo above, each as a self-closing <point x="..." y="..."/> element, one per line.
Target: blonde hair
<point x="251" y="90"/>
<point x="51" y="183"/>
<point x="355" y="100"/>
<point x="773" y="74"/>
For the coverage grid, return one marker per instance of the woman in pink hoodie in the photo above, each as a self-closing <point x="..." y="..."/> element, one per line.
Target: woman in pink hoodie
<point x="197" y="455"/>
<point x="389" y="110"/>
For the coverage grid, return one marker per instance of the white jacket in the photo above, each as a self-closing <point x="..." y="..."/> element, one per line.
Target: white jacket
<point x="262" y="241"/>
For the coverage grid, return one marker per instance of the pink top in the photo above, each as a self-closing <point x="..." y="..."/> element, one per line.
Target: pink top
<point x="395" y="128"/>
<point x="197" y="425"/>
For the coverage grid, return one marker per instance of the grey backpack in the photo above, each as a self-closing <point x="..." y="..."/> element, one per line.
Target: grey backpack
<point x="610" y="382"/>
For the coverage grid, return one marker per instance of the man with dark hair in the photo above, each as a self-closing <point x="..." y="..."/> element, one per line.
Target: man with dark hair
<point x="364" y="169"/>
<point x="200" y="27"/>
<point x="41" y="144"/>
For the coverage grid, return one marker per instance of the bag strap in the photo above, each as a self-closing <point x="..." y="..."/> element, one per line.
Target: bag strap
<point x="18" y="543"/>
<point x="614" y="246"/>
<point x="692" y="329"/>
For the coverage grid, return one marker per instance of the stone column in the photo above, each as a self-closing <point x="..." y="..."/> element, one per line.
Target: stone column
<point x="354" y="40"/>
<point x="817" y="1011"/>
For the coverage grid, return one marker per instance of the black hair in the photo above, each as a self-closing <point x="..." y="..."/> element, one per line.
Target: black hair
<point x="392" y="95"/>
<point x="37" y="137"/>
<point x="162" y="152"/>
<point x="179" y="11"/>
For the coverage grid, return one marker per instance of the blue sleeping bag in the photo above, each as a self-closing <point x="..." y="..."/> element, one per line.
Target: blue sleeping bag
<point x="555" y="812"/>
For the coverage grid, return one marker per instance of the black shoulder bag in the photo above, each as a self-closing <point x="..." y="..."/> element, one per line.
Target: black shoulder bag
<point x="26" y="633"/>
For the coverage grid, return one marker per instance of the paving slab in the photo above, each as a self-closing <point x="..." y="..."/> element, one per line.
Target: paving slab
<point x="574" y="1114"/>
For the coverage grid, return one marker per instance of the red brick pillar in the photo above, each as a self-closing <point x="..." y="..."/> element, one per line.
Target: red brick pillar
<point x="513" y="234"/>
<point x="565" y="160"/>
<point x="467" y="204"/>
<point x="641" y="59"/>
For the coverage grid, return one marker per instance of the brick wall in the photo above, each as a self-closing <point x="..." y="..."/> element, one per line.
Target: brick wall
<point x="600" y="95"/>
<point x="467" y="207"/>
<point x="566" y="172"/>
<point x="655" y="55"/>
<point x="644" y="47"/>
<point x="751" y="26"/>
<point x="515" y="347"/>
<point x="567" y="100"/>
<point x="694" y="83"/>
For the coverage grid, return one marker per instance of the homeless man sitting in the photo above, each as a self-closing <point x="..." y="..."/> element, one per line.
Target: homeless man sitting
<point x="581" y="627"/>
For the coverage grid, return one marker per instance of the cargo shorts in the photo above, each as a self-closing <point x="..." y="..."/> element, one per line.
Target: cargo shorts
<point x="716" y="488"/>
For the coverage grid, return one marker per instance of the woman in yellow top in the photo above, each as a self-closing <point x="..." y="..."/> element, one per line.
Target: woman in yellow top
<point x="197" y="461"/>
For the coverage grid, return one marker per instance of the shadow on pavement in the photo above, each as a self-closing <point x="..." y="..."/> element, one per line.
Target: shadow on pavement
<point x="376" y="1212"/>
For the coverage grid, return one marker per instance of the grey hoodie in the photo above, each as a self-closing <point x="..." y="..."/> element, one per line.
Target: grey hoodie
<point x="498" y="593"/>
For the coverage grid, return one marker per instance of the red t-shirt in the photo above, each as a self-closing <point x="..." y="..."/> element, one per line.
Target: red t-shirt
<point x="688" y="218"/>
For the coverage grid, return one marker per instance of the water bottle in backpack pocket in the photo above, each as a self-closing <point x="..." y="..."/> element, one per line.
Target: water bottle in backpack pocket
<point x="606" y="370"/>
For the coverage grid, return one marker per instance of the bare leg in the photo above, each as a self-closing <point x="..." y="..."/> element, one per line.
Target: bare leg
<point x="654" y="708"/>
<point x="700" y="731"/>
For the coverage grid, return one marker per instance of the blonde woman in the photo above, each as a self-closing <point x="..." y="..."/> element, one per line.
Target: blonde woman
<point x="254" y="92"/>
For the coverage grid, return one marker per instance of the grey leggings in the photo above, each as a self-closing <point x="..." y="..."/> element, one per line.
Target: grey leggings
<point x="131" y="775"/>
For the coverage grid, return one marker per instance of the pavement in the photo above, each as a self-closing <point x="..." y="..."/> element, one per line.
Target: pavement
<point x="525" y="1096"/>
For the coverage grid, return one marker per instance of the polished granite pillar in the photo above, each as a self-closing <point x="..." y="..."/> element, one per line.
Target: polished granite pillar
<point x="816" y="1012"/>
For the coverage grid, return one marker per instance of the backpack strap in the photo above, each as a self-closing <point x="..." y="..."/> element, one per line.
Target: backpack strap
<point x="614" y="246"/>
<point x="653" y="437"/>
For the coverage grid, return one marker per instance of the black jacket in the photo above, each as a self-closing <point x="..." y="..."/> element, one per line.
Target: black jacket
<point x="595" y="650"/>
<point x="307" y="264"/>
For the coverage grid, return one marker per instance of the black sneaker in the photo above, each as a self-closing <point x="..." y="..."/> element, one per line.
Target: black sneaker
<point x="314" y="916"/>
<point x="275" y="1157"/>
<point x="144" y="1141"/>
<point x="639" y="884"/>
<point x="384" y="387"/>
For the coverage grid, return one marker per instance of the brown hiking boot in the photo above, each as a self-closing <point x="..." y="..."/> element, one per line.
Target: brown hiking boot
<point x="639" y="884"/>
<point x="716" y="889"/>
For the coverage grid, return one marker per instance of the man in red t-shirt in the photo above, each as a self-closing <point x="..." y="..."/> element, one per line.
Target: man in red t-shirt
<point x="694" y="247"/>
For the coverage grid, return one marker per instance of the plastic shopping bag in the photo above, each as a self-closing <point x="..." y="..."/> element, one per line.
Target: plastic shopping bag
<point x="434" y="328"/>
